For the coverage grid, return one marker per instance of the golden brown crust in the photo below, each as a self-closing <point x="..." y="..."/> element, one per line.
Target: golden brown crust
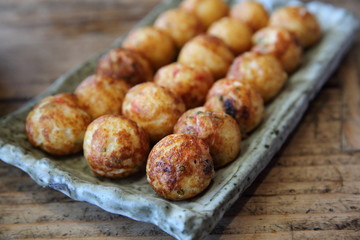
<point x="154" y="108"/>
<point x="300" y="21"/>
<point x="191" y="84"/>
<point x="180" y="24"/>
<point x="217" y="129"/>
<point x="115" y="146"/>
<point x="100" y="95"/>
<point x="235" y="34"/>
<point x="207" y="51"/>
<point x="179" y="167"/>
<point x="238" y="99"/>
<point x="252" y="13"/>
<point x="262" y="71"/>
<point x="57" y="124"/>
<point x="282" y="44"/>
<point x="125" y="64"/>
<point x="208" y="11"/>
<point x="155" y="44"/>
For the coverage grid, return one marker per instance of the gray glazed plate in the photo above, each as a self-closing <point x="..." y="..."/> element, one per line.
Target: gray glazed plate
<point x="133" y="197"/>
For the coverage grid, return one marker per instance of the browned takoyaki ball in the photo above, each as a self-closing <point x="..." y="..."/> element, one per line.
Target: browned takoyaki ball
<point x="207" y="51"/>
<point x="208" y="11"/>
<point x="235" y="34"/>
<point x="115" y="146"/>
<point x="125" y="64"/>
<point x="180" y="24"/>
<point x="100" y="95"/>
<point x="179" y="167"/>
<point x="218" y="129"/>
<point x="252" y="13"/>
<point x="191" y="84"/>
<point x="300" y="21"/>
<point x="264" y="72"/>
<point x="238" y="99"/>
<point x="155" y="44"/>
<point x="282" y="44"/>
<point x="57" y="124"/>
<point x="154" y="108"/>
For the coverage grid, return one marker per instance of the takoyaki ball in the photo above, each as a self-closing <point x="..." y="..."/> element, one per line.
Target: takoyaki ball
<point x="180" y="24"/>
<point x="264" y="72"/>
<point x="238" y="99"/>
<point x="154" y="108"/>
<point x="208" y="11"/>
<point x="235" y="34"/>
<point x="179" y="167"/>
<point x="115" y="146"/>
<point x="191" y="84"/>
<point x="300" y="21"/>
<point x="192" y="111"/>
<point x="280" y="43"/>
<point x="57" y="124"/>
<point x="100" y="95"/>
<point x="155" y="44"/>
<point x="207" y="51"/>
<point x="252" y="13"/>
<point x="219" y="130"/>
<point x="125" y="64"/>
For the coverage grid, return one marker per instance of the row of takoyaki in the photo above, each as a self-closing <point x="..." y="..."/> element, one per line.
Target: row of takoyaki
<point x="117" y="113"/>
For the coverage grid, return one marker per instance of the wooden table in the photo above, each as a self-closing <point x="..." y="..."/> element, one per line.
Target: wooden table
<point x="311" y="190"/>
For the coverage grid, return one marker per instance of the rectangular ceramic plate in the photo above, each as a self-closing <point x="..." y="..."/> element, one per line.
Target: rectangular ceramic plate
<point x="133" y="197"/>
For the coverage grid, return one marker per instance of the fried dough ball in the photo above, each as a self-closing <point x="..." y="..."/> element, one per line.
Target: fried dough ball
<point x="191" y="84"/>
<point x="125" y="64"/>
<point x="100" y="95"/>
<point x="219" y="130"/>
<point x="57" y="124"/>
<point x="300" y="21"/>
<point x="154" y="108"/>
<point x="179" y="167"/>
<point x="115" y="147"/>
<point x="155" y="44"/>
<point x="180" y="24"/>
<point x="238" y="99"/>
<point x="208" y="11"/>
<point x="280" y="43"/>
<point x="264" y="72"/>
<point x="252" y="13"/>
<point x="235" y="34"/>
<point x="207" y="51"/>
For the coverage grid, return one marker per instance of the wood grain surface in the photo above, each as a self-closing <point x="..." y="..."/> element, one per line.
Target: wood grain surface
<point x="311" y="189"/>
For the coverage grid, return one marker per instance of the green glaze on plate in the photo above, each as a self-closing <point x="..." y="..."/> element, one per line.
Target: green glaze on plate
<point x="133" y="197"/>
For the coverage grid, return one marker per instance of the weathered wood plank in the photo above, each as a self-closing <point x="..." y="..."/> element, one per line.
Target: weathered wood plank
<point x="256" y="205"/>
<point x="350" y="130"/>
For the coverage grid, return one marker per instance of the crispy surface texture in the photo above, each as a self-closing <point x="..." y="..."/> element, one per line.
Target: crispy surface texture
<point x="235" y="34"/>
<point x="300" y="21"/>
<point x="180" y="24"/>
<point x="100" y="95"/>
<point x="208" y="11"/>
<point x="153" y="43"/>
<point x="57" y="124"/>
<point x="280" y="43"/>
<point x="179" y="167"/>
<point x="238" y="99"/>
<point x="251" y="13"/>
<point x="207" y="51"/>
<point x="217" y="129"/>
<point x="263" y="71"/>
<point x="125" y="64"/>
<point x="191" y="84"/>
<point x="115" y="147"/>
<point x="154" y="108"/>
